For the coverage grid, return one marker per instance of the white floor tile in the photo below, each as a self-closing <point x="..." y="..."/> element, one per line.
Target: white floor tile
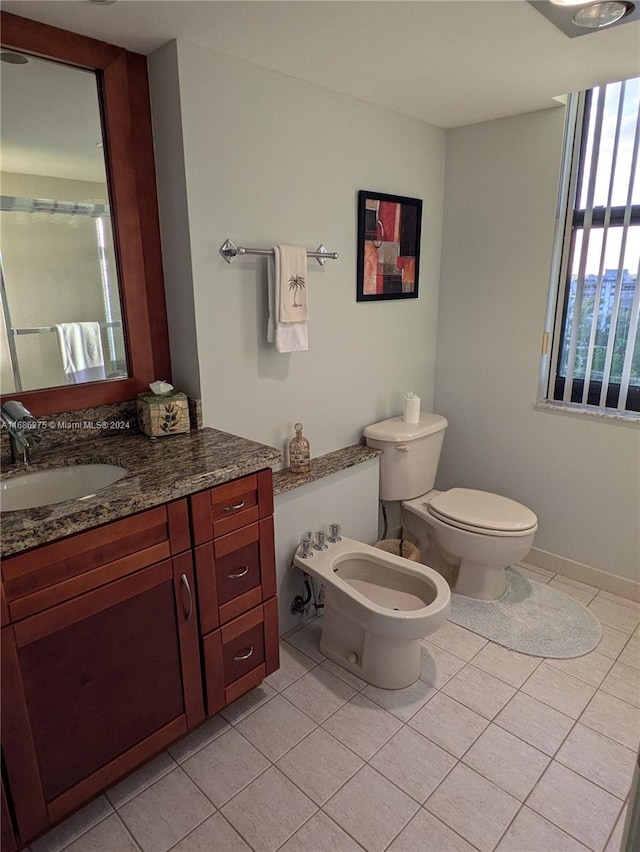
<point x="344" y="674"/>
<point x="371" y="809"/>
<point x="584" y="595"/>
<point x="612" y="642"/>
<point x="110" y="835"/>
<point x="319" y="694"/>
<point x="532" y="573"/>
<point x="438" y="665"/>
<point x="615" y="614"/>
<point x="614" y="844"/>
<point x="473" y="807"/>
<point x="559" y="690"/>
<point x="247" y="703"/>
<point x="275" y="727"/>
<point x="575" y="805"/>
<point x="529" y="831"/>
<point x="78" y="824"/>
<point x="592" y="668"/>
<point x="623" y="682"/>
<point x="403" y="703"/>
<point x="222" y="768"/>
<point x="618" y="599"/>
<point x="630" y="656"/>
<point x="506" y="760"/>
<point x="293" y="664"/>
<point x="362" y="725"/>
<point x="319" y="765"/>
<point x="199" y="738"/>
<point x="425" y="833"/>
<point x="268" y="811"/>
<point x="213" y="835"/>
<point x="140" y="780"/>
<point x="535" y="723"/>
<point x="448" y="724"/>
<point x="320" y="834"/>
<point x="165" y="812"/>
<point x="509" y="666"/>
<point x="479" y="691"/>
<point x="413" y="763"/>
<point x="599" y="759"/>
<point x="307" y="640"/>
<point x="457" y="640"/>
<point x="614" y="718"/>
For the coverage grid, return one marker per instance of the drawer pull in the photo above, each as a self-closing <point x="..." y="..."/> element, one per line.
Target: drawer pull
<point x="244" y="655"/>
<point x="185" y="583"/>
<point x="237" y="506"/>
<point x="235" y="575"/>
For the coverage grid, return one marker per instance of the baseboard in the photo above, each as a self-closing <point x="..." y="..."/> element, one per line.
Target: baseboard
<point x="614" y="584"/>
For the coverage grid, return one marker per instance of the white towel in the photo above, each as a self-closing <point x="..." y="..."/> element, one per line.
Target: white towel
<point x="81" y="349"/>
<point x="287" y="336"/>
<point x="293" y="284"/>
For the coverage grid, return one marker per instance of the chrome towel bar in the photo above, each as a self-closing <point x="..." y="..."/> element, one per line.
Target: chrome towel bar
<point x="230" y="251"/>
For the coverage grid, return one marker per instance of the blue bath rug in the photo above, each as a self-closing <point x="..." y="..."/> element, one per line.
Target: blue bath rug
<point x="531" y="618"/>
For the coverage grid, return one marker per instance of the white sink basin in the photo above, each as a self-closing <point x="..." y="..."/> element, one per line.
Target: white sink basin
<point x="46" y="487"/>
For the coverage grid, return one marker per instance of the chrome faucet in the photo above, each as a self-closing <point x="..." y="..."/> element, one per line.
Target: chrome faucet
<point x="22" y="426"/>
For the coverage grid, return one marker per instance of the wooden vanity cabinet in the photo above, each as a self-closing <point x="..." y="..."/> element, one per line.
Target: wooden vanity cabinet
<point x="232" y="527"/>
<point x="113" y="638"/>
<point x="98" y="673"/>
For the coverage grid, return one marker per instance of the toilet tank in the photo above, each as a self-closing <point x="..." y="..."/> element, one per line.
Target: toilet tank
<point x="411" y="452"/>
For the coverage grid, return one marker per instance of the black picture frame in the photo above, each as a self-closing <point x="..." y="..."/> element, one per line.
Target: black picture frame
<point x="388" y="268"/>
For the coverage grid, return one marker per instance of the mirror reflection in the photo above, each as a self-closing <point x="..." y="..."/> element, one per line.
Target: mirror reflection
<point x="61" y="320"/>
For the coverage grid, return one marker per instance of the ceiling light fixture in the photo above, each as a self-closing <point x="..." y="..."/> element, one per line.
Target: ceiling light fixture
<point x="601" y="15"/>
<point x="12" y="58"/>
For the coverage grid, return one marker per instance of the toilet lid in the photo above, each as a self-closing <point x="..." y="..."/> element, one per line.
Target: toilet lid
<point x="483" y="510"/>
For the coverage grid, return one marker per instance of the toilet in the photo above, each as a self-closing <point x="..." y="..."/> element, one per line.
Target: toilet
<point x="469" y="535"/>
<point x="377" y="609"/>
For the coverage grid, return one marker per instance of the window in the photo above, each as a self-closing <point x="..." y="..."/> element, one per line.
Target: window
<point x="595" y="359"/>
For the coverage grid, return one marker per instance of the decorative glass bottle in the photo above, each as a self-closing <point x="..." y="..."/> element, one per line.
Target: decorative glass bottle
<point x="299" y="452"/>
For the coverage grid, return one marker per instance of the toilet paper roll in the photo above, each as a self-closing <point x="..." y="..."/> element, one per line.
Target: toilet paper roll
<point x="411" y="408"/>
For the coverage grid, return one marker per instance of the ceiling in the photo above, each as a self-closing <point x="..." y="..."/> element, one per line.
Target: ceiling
<point x="446" y="62"/>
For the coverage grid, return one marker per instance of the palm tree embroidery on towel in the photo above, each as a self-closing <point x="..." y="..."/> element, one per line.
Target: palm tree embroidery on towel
<point x="296" y="282"/>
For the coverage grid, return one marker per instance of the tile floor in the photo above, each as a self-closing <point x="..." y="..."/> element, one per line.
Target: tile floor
<point x="489" y="750"/>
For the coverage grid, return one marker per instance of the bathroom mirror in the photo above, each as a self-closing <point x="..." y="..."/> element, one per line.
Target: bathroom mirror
<point x="80" y="234"/>
<point x="59" y="293"/>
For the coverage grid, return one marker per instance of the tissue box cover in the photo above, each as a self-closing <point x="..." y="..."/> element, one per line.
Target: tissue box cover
<point x="163" y="414"/>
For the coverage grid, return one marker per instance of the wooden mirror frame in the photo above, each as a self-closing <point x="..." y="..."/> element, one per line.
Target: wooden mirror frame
<point x="128" y="143"/>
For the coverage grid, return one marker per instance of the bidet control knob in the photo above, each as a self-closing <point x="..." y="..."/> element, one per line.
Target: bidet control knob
<point x="306" y="551"/>
<point x="352" y="657"/>
<point x="334" y="533"/>
<point x="321" y="544"/>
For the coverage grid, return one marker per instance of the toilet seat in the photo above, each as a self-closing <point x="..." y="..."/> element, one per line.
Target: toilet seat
<point x="481" y="512"/>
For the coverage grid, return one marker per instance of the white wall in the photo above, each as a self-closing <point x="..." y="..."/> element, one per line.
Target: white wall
<point x="581" y="475"/>
<point x="270" y="159"/>
<point x="259" y="157"/>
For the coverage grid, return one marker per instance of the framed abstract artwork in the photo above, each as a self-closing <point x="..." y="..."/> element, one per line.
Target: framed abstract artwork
<point x="388" y="246"/>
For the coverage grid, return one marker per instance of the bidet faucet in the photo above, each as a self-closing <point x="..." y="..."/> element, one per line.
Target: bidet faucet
<point x="23" y="429"/>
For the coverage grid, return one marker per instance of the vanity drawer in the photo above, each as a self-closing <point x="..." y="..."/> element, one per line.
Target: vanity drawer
<point x="240" y="655"/>
<point x="56" y="572"/>
<point x="235" y="573"/>
<point x="228" y="507"/>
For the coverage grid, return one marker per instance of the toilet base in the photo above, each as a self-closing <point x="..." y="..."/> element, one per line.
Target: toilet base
<point x="482" y="582"/>
<point x="381" y="661"/>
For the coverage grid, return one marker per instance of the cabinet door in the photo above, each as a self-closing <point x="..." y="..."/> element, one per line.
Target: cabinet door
<point x="95" y="686"/>
<point x="240" y="655"/>
<point x="220" y="510"/>
<point x="235" y="573"/>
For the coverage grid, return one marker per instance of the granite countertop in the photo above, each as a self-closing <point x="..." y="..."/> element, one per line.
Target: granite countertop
<point x="157" y="472"/>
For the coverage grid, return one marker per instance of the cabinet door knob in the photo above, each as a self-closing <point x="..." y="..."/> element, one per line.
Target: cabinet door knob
<point x="235" y="575"/>
<point x="185" y="582"/>
<point x="244" y="655"/>
<point x="233" y="508"/>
